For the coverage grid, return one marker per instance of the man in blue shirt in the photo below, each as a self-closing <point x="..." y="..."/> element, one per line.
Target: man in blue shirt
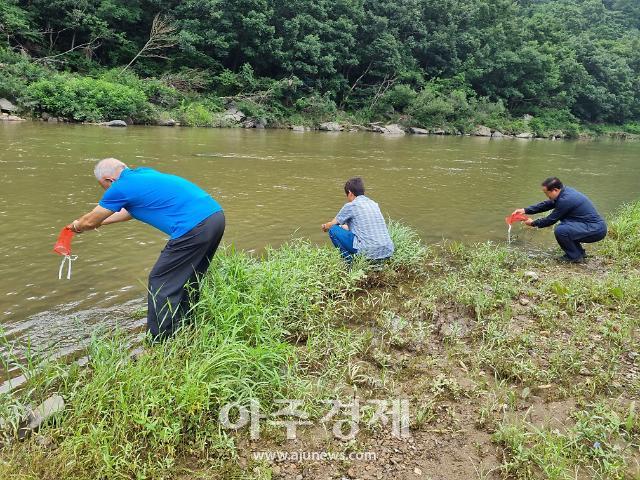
<point x="359" y="226"/>
<point x="187" y="214"/>
<point x="580" y="222"/>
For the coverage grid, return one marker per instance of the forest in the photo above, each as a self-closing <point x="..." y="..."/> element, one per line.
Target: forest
<point x="556" y="65"/>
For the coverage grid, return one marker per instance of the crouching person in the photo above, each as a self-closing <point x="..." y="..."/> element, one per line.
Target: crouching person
<point x="579" y="221"/>
<point x="359" y="226"/>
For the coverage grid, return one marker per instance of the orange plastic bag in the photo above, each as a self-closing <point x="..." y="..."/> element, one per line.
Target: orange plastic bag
<point x="63" y="244"/>
<point x="63" y="247"/>
<point x="516" y="217"/>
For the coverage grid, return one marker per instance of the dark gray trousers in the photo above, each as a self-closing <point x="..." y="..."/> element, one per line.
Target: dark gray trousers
<point x="181" y="263"/>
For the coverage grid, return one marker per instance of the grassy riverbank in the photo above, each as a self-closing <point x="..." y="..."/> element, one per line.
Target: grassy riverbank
<point x="513" y="366"/>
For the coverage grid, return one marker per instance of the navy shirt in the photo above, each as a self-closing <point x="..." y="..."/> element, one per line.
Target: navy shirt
<point x="168" y="202"/>
<point x="570" y="206"/>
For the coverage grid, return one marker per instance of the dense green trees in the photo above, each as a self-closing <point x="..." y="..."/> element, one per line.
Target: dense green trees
<point x="438" y="61"/>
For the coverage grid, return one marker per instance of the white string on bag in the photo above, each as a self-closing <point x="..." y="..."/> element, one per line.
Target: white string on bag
<point x="70" y="258"/>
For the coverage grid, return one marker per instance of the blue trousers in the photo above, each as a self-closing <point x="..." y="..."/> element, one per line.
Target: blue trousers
<point x="343" y="240"/>
<point x="570" y="236"/>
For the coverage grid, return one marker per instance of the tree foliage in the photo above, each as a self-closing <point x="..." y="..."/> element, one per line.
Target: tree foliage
<point x="581" y="57"/>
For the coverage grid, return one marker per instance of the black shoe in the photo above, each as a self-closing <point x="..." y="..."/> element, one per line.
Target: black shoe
<point x="566" y="259"/>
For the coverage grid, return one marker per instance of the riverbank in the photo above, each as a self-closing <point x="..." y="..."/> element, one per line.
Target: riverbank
<point x="119" y="98"/>
<point x="234" y="118"/>
<point x="511" y="366"/>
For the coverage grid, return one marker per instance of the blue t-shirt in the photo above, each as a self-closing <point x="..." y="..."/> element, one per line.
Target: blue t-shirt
<point x="167" y="202"/>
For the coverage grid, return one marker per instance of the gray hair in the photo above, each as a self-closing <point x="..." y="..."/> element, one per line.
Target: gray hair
<point x="108" y="167"/>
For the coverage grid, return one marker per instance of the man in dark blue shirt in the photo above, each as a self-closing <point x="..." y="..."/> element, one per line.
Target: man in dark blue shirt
<point x="193" y="220"/>
<point x="580" y="222"/>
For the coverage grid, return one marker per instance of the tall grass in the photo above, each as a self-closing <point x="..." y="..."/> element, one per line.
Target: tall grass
<point x="409" y="253"/>
<point x="140" y="418"/>
<point x="623" y="241"/>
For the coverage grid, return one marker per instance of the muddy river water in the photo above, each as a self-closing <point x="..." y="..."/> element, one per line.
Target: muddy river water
<point x="274" y="185"/>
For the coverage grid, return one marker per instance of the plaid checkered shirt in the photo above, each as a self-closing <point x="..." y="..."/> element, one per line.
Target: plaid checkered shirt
<point x="365" y="221"/>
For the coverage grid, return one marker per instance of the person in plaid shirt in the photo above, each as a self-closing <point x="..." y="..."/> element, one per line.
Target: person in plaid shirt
<point x="359" y="226"/>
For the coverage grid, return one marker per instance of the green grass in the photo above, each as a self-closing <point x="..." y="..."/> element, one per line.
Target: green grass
<point x="594" y="444"/>
<point x="623" y="241"/>
<point x="247" y="339"/>
<point x="299" y="323"/>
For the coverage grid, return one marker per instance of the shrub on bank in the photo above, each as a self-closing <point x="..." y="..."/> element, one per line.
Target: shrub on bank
<point x="397" y="99"/>
<point x="204" y="113"/>
<point x="86" y="99"/>
<point x="454" y="107"/>
<point x="632" y="127"/>
<point x="431" y="108"/>
<point x="17" y="73"/>
<point x="156" y="91"/>
<point x="317" y="108"/>
<point x="550" y="122"/>
<point x="195" y="115"/>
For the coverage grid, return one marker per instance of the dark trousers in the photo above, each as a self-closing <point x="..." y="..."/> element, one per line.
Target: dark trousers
<point x="181" y="263"/>
<point x="570" y="235"/>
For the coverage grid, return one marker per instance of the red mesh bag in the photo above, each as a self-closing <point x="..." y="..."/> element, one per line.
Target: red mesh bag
<point x="63" y="244"/>
<point x="516" y="217"/>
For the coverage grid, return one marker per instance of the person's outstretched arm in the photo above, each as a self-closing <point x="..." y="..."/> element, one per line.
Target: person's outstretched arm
<point x="91" y="220"/>
<point x="540" y="207"/>
<point x="121" y="216"/>
<point x="559" y="213"/>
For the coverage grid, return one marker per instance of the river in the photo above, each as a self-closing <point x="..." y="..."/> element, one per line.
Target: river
<point x="274" y="185"/>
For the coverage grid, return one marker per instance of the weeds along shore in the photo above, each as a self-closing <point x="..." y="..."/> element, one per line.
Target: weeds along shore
<point x="480" y="339"/>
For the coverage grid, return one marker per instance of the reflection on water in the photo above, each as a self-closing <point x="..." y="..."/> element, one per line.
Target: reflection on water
<point x="272" y="185"/>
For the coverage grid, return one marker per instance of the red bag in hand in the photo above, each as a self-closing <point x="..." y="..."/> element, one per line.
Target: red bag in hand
<point x="63" y="247"/>
<point x="63" y="244"/>
<point x="516" y="217"/>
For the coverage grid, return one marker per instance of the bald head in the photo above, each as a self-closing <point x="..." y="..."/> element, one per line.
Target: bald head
<point x="108" y="168"/>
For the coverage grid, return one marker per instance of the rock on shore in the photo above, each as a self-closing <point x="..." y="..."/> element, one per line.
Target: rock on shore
<point x="391" y="129"/>
<point x="114" y="123"/>
<point x="5" y="117"/>
<point x="36" y="417"/>
<point x="232" y="114"/>
<point x="7" y="106"/>
<point x="331" y="127"/>
<point x="482" y="131"/>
